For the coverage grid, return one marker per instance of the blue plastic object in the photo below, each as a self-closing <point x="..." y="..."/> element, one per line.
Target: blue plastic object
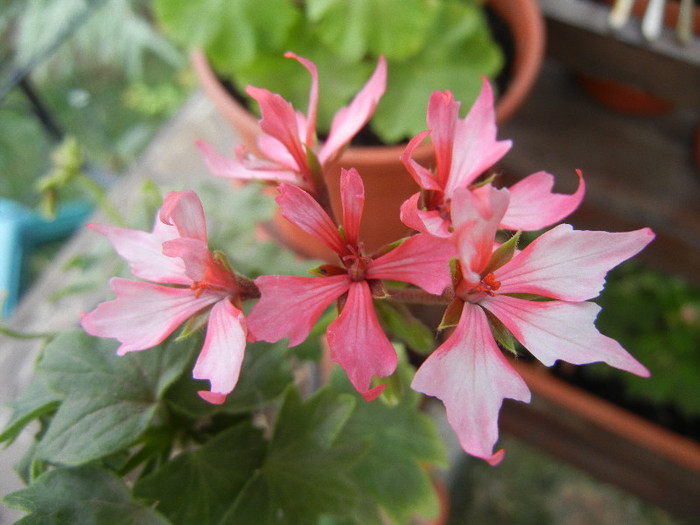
<point x="20" y="230"/>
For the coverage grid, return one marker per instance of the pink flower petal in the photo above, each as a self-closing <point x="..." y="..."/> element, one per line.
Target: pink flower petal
<point x="423" y="176"/>
<point x="235" y="169"/>
<point x="569" y="264"/>
<point x="184" y="210"/>
<point x="143" y="314"/>
<point x="352" y="194"/>
<point x="533" y="206"/>
<point x="442" y="118"/>
<point x="280" y="121"/>
<point x="221" y="357"/>
<point x="476" y="215"/>
<point x="212" y="397"/>
<point x="430" y="222"/>
<point x="422" y="260"/>
<point x="290" y="306"/>
<point x="472" y="377"/>
<point x="313" y="97"/>
<point x="358" y="343"/>
<point x="553" y="330"/>
<point x="144" y="252"/>
<point x="302" y="209"/>
<point x="194" y="253"/>
<point x="476" y="148"/>
<point x="350" y="119"/>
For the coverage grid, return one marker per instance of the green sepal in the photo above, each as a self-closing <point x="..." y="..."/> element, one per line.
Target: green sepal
<point x="502" y="254"/>
<point x="501" y="334"/>
<point x="314" y="167"/>
<point x="484" y="182"/>
<point x="456" y="272"/>
<point x="452" y="314"/>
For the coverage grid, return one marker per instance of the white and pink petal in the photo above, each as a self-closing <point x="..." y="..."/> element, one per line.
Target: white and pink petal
<point x="221" y="357"/>
<point x="144" y="252"/>
<point x="569" y="264"/>
<point x="553" y="330"/>
<point x="143" y="314"/>
<point x="469" y="373"/>
<point x="533" y="205"/>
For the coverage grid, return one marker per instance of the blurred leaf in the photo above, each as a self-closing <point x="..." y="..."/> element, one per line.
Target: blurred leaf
<point x="460" y="51"/>
<point x="85" y="495"/>
<point x="355" y="29"/>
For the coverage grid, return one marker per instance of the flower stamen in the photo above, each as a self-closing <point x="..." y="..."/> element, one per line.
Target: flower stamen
<point x="489" y="285"/>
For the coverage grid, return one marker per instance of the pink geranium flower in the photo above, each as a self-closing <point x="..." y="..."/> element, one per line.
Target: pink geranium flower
<point x="182" y="279"/>
<point x="563" y="267"/>
<point x="289" y="136"/>
<point x="464" y="149"/>
<point x="290" y="306"/>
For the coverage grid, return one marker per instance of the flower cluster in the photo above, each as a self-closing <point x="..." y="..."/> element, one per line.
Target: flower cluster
<point x="464" y="253"/>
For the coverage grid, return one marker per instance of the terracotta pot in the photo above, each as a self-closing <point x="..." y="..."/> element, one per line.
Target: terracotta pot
<point x="623" y="97"/>
<point x="387" y="183"/>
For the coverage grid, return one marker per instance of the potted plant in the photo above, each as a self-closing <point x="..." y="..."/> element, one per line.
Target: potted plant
<point x="217" y="424"/>
<point x="429" y="46"/>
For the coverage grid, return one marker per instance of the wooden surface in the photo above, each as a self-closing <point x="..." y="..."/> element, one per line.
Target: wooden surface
<point x="606" y="441"/>
<point x="639" y="170"/>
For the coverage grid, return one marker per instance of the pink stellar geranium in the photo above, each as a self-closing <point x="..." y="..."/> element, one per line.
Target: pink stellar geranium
<point x="182" y="279"/>
<point x="290" y="306"/>
<point x="289" y="136"/>
<point x="563" y="268"/>
<point x="464" y="150"/>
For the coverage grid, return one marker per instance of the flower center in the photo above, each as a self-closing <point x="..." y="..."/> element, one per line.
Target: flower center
<point x="488" y="284"/>
<point x="444" y="209"/>
<point x="356" y="263"/>
<point x="199" y="286"/>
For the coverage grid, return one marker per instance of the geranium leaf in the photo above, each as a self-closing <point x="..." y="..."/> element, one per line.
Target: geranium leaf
<point x="80" y="495"/>
<point x="306" y="472"/>
<point x="466" y="51"/>
<point x="372" y="27"/>
<point x="33" y="402"/>
<point x="199" y="486"/>
<point x="265" y="373"/>
<point x="404" y="440"/>
<point x="109" y="400"/>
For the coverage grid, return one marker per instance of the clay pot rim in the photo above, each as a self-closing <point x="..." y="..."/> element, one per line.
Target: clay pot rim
<point x="527" y="27"/>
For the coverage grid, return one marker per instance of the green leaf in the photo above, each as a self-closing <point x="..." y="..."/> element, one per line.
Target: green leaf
<point x="405" y="326"/>
<point x="199" y="486"/>
<point x="232" y="32"/>
<point x="392" y="474"/>
<point x="87" y="495"/>
<point x="306" y="472"/>
<point x="396" y="28"/>
<point x="109" y="400"/>
<point x="32" y="403"/>
<point x="460" y="50"/>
